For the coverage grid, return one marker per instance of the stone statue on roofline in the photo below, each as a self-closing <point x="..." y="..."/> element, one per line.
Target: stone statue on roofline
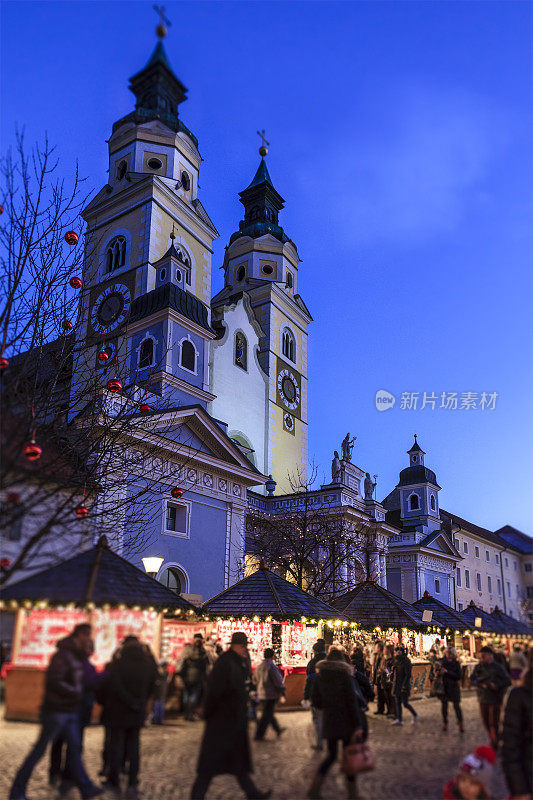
<point x="347" y="447"/>
<point x="369" y="486"/>
<point x="336" y="467"/>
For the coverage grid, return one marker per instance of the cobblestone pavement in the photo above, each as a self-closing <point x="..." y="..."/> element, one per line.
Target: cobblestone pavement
<point x="411" y="761"/>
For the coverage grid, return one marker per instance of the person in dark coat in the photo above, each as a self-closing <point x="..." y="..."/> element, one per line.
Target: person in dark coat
<point x="376" y="670"/>
<point x="491" y="680"/>
<point x="225" y="745"/>
<point x="334" y="692"/>
<point x="517" y="740"/>
<point x="193" y="672"/>
<point x="160" y="694"/>
<point x="131" y="682"/>
<point x="61" y="770"/>
<point x="357" y="658"/>
<point x="401" y="685"/>
<point x="60" y="712"/>
<point x="385" y="678"/>
<point x="319" y="650"/>
<point x="448" y="669"/>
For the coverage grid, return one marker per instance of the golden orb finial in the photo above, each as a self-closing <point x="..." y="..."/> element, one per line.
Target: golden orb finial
<point x="263" y="150"/>
<point x="164" y="23"/>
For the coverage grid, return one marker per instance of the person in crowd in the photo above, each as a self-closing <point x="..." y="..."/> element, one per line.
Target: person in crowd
<point x="213" y="649"/>
<point x="385" y="678"/>
<point x="357" y="658"/>
<point x="193" y="672"/>
<point x="501" y="658"/>
<point x="132" y="679"/>
<point x="449" y="670"/>
<point x="334" y="692"/>
<point x="268" y="680"/>
<point x="517" y="663"/>
<point x="472" y="782"/>
<point x="225" y="745"/>
<point x="491" y="680"/>
<point x="517" y="739"/>
<point x="61" y="770"/>
<point x="60" y="712"/>
<point x="160" y="694"/>
<point x="401" y="685"/>
<point x="319" y="654"/>
<point x="376" y="672"/>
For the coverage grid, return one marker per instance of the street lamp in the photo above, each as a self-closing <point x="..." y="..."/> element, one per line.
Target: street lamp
<point x="152" y="564"/>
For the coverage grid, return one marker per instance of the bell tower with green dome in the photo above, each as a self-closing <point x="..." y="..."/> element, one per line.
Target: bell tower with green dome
<point x="260" y="309"/>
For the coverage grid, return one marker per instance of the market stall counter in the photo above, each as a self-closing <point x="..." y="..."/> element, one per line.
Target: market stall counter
<point x="274" y="613"/>
<point x="96" y="586"/>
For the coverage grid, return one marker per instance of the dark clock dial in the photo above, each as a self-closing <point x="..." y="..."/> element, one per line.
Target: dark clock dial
<point x="110" y="308"/>
<point x="288" y="389"/>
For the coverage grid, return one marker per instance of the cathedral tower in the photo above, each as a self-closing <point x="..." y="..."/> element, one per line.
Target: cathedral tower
<point x="147" y="273"/>
<point x="259" y="359"/>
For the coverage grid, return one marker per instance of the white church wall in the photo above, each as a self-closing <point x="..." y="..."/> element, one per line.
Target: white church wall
<point x="241" y="395"/>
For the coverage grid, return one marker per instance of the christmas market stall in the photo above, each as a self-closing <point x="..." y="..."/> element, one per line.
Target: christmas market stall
<point x="96" y="586"/>
<point x="497" y="628"/>
<point x="514" y="627"/>
<point x="274" y="613"/>
<point x="457" y="631"/>
<point x="382" y="615"/>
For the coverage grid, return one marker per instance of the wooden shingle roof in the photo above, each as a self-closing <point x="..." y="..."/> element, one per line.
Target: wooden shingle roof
<point x="488" y="622"/>
<point x="97" y="576"/>
<point x="446" y="614"/>
<point x="265" y="594"/>
<point x="370" y="604"/>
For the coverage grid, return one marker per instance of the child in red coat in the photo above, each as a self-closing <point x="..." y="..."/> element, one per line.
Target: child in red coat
<point x="473" y="778"/>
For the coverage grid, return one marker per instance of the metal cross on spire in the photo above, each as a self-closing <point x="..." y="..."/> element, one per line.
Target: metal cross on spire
<point x="164" y="22"/>
<point x="263" y="150"/>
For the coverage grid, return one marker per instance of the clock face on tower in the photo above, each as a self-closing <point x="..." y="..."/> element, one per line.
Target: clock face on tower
<point x="110" y="308"/>
<point x="288" y="389"/>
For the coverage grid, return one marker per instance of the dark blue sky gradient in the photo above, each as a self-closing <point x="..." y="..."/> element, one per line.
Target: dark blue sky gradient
<point x="401" y="140"/>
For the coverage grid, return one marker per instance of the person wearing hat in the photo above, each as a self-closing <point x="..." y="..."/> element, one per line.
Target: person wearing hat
<point x="225" y="747"/>
<point x="472" y="782"/>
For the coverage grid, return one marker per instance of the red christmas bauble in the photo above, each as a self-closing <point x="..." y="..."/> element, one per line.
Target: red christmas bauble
<point x="145" y="408"/>
<point x="5" y="563"/>
<point x="75" y="282"/>
<point x="13" y="498"/>
<point x="66" y="325"/>
<point x="96" y="487"/>
<point x="81" y="511"/>
<point x="4" y="363"/>
<point x="71" y="237"/>
<point x="176" y="492"/>
<point x="114" y="385"/>
<point x="32" y="451"/>
<point x="1" y="209"/>
<point x="103" y="356"/>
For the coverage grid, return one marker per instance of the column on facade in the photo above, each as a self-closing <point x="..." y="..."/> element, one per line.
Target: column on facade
<point x="383" y="570"/>
<point x="374" y="567"/>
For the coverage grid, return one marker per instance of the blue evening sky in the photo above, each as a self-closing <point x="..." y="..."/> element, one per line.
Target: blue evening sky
<point x="401" y="140"/>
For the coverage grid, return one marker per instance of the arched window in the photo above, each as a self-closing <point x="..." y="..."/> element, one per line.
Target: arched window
<point x="185" y="181"/>
<point x="115" y="253"/>
<point x="185" y="259"/>
<point x="288" y="345"/>
<point x="290" y="280"/>
<point x="188" y="356"/>
<point x="432" y="502"/>
<point x="122" y="169"/>
<point x="414" y="502"/>
<point x="241" y="273"/>
<point x="146" y="353"/>
<point x="241" y="350"/>
<point x="174" y="579"/>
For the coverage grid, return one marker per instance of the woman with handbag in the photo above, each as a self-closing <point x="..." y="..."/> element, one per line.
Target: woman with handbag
<point x="334" y="693"/>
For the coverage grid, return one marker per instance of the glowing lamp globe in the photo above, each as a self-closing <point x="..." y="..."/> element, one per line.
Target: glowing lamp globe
<point x="71" y="237"/>
<point x="176" y="492"/>
<point x="75" y="282"/>
<point x="66" y="325"/>
<point x="114" y="385"/>
<point x="4" y="363"/>
<point x="81" y="511"/>
<point x="152" y="564"/>
<point x="32" y="451"/>
<point x="103" y="356"/>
